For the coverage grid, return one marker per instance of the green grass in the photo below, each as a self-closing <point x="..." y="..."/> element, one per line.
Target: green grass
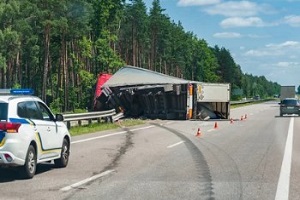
<point x="250" y="103"/>
<point x="95" y="127"/>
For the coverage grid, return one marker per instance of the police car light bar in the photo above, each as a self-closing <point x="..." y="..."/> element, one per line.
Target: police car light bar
<point x="16" y="91"/>
<point x="22" y="91"/>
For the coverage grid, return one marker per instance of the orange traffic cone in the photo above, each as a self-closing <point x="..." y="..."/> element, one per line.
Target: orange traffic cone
<point x="216" y="125"/>
<point x="198" y="134"/>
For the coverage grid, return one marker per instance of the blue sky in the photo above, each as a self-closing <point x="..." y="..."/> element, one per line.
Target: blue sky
<point x="263" y="36"/>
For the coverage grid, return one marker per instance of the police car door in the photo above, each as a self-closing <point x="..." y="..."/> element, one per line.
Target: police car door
<point x="46" y="129"/>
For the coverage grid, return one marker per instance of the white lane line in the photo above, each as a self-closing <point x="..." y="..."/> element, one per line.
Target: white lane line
<point x="109" y="135"/>
<point x="283" y="186"/>
<point x="173" y="145"/>
<point x="99" y="137"/>
<point x="143" y="128"/>
<point x="85" y="181"/>
<point x="211" y="130"/>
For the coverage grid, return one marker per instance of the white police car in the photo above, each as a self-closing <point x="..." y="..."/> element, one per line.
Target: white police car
<point x="30" y="133"/>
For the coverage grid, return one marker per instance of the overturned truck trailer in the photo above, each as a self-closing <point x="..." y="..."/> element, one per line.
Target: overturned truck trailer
<point x="139" y="92"/>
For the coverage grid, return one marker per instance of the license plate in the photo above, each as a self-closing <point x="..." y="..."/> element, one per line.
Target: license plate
<point x="290" y="107"/>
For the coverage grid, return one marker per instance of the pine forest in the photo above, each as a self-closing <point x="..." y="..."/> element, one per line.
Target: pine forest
<point x="58" y="48"/>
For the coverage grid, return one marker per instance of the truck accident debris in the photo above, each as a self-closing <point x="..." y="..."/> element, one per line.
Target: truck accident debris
<point x="139" y="92"/>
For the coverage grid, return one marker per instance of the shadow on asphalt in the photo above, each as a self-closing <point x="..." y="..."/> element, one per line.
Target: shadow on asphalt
<point x="13" y="173"/>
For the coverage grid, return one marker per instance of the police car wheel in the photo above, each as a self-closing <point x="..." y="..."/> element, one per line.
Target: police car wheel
<point x="64" y="157"/>
<point x="29" y="168"/>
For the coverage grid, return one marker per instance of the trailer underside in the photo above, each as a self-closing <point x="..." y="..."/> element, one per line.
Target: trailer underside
<point x="142" y="93"/>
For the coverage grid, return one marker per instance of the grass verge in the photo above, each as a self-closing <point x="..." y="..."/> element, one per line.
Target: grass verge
<point x="251" y="103"/>
<point x="95" y="127"/>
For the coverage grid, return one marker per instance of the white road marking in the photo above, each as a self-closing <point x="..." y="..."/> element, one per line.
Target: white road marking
<point x="143" y="128"/>
<point x="109" y="135"/>
<point x="173" y="145"/>
<point x="283" y="186"/>
<point x="85" y="181"/>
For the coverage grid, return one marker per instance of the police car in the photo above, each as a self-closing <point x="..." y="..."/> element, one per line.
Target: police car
<point x="29" y="133"/>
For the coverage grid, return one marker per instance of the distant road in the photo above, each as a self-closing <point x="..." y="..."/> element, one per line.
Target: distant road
<point x="252" y="158"/>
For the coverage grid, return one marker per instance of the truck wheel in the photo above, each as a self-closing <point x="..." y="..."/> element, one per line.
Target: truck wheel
<point x="64" y="156"/>
<point x="29" y="168"/>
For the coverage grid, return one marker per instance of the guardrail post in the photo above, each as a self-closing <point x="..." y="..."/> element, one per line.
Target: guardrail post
<point x="79" y="122"/>
<point x="69" y="125"/>
<point x="108" y="119"/>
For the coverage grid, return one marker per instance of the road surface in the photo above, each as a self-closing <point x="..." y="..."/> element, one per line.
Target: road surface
<point x="254" y="156"/>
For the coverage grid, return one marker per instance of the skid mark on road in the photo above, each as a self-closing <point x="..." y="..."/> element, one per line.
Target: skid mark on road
<point x="228" y="165"/>
<point x="122" y="150"/>
<point x="203" y="171"/>
<point x="127" y="144"/>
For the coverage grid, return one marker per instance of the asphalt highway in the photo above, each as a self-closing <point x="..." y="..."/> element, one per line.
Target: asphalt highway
<point x="253" y="156"/>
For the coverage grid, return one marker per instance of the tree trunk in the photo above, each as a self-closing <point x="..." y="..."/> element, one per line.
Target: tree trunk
<point x="9" y="74"/>
<point x="65" y="70"/>
<point x="133" y="46"/>
<point x="46" y="61"/>
<point x="18" y="71"/>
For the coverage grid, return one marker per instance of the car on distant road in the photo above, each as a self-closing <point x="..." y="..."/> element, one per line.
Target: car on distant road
<point x="256" y="97"/>
<point x="30" y="134"/>
<point x="289" y="106"/>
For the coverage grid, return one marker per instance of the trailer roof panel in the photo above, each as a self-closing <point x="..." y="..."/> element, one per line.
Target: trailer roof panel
<point x="129" y="76"/>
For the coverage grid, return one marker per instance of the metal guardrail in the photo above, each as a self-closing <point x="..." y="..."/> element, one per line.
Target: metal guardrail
<point x="108" y="115"/>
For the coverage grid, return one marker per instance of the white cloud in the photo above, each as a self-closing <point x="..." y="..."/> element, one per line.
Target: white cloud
<point x="197" y="2"/>
<point x="261" y="53"/>
<point x="238" y="8"/>
<point x="242" y="22"/>
<point x="287" y="64"/>
<point x="286" y="48"/>
<point x="284" y="45"/>
<point x="292" y="20"/>
<point x="232" y="35"/>
<point x="227" y="35"/>
<point x="258" y="36"/>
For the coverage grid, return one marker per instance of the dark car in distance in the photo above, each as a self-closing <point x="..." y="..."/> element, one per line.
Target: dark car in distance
<point x="289" y="106"/>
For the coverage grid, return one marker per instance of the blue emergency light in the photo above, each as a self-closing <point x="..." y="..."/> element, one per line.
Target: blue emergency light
<point x="22" y="91"/>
